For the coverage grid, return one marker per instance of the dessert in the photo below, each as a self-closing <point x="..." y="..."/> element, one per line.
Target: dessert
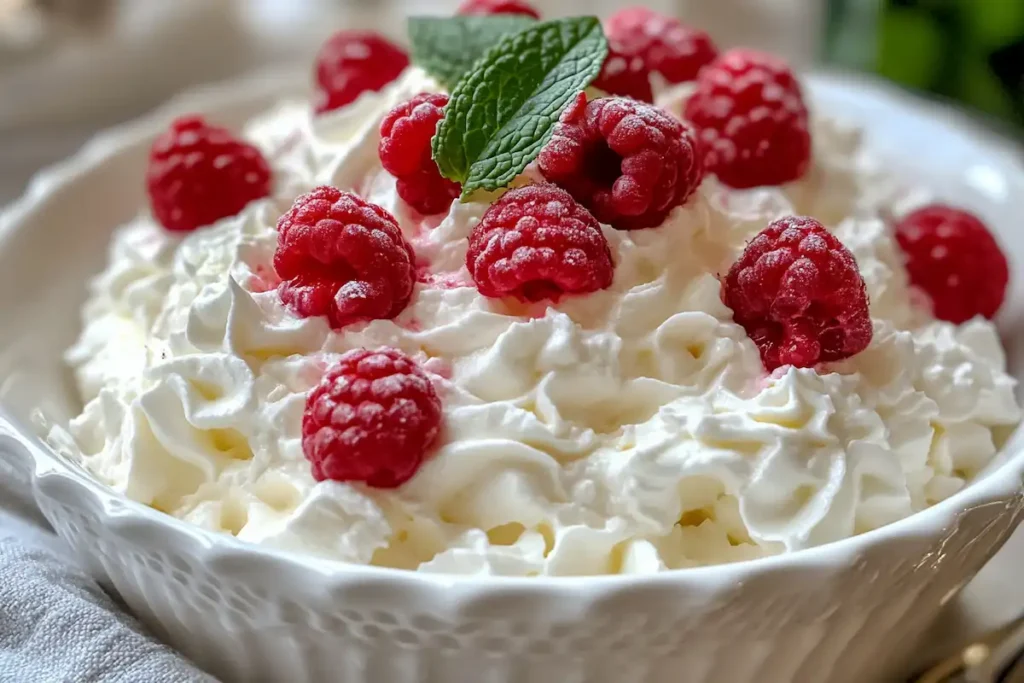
<point x="667" y="46"/>
<point x="354" y="62"/>
<point x="953" y="257"/>
<point x="614" y="363"/>
<point x="750" y="112"/>
<point x="200" y="173"/>
<point x="537" y="244"/>
<point x="518" y="7"/>
<point x="629" y="163"/>
<point x="404" y="152"/>
<point x="623" y="74"/>
<point x="797" y="292"/>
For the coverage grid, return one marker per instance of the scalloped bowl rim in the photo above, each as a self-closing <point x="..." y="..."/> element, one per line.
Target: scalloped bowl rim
<point x="997" y="487"/>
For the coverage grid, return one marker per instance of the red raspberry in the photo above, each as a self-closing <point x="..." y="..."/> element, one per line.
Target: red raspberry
<point x="537" y="243"/>
<point x="797" y="292"/>
<point x="626" y="75"/>
<point x="200" y="173"/>
<point x="628" y="162"/>
<point x="665" y="44"/>
<point x="342" y="257"/>
<point x="498" y="7"/>
<point x="752" y="120"/>
<point x="953" y="257"/>
<point x="404" y="151"/>
<point x="352" y="62"/>
<point x="372" y="418"/>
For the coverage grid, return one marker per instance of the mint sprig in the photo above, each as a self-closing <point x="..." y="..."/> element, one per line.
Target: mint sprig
<point x="503" y="111"/>
<point x="447" y="47"/>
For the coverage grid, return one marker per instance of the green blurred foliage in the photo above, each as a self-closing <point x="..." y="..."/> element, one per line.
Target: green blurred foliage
<point x="995" y="20"/>
<point x="967" y="50"/>
<point x="910" y="48"/>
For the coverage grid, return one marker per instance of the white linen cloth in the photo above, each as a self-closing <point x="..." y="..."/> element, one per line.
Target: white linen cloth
<point x="56" y="624"/>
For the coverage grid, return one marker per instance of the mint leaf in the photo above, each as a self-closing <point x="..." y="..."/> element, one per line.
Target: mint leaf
<point x="502" y="112"/>
<point x="447" y="47"/>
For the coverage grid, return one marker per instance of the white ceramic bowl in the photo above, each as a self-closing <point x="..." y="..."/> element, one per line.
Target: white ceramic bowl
<point x="848" y="611"/>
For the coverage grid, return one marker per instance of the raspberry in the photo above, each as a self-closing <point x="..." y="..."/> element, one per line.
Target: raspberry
<point x="404" y="151"/>
<point x="498" y="7"/>
<point x="626" y="75"/>
<point x="537" y="243"/>
<point x="797" y="292"/>
<point x="352" y="62"/>
<point x="371" y="419"/>
<point x="200" y="173"/>
<point x="343" y="258"/>
<point x="953" y="257"/>
<point x="628" y="162"/>
<point x="665" y="44"/>
<point x="752" y="120"/>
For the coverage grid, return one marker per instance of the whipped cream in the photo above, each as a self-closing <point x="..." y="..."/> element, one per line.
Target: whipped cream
<point x="632" y="430"/>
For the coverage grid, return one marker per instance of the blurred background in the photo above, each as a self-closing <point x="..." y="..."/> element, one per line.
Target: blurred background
<point x="71" y="67"/>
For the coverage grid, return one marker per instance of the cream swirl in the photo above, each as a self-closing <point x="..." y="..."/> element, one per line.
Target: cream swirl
<point x="632" y="430"/>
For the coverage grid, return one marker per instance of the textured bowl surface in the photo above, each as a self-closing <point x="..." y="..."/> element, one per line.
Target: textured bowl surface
<point x="849" y="611"/>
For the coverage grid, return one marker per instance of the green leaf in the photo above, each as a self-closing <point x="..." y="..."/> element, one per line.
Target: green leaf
<point x="503" y="112"/>
<point x="447" y="47"/>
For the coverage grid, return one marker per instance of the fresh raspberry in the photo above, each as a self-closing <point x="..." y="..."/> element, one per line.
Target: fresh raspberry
<point x="404" y="151"/>
<point x="628" y="162"/>
<point x="537" y="243"/>
<point x="372" y="418"/>
<point x="752" y="120"/>
<point x="625" y="75"/>
<point x="200" y="173"/>
<point x="953" y="257"/>
<point x="665" y="44"/>
<point x="797" y="292"/>
<point x="352" y="62"/>
<point x="498" y="7"/>
<point x="343" y="258"/>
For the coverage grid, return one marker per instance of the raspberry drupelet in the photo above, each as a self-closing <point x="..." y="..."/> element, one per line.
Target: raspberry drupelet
<point x="537" y="243"/>
<point x="353" y="62"/>
<point x="372" y="418"/>
<point x="752" y="120"/>
<point x="953" y="258"/>
<point x="797" y="292"/>
<point x="341" y="257"/>
<point x="625" y="75"/>
<point x="199" y="173"/>
<point x="665" y="44"/>
<point x="498" y="7"/>
<point x="630" y="163"/>
<point x="404" y="152"/>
